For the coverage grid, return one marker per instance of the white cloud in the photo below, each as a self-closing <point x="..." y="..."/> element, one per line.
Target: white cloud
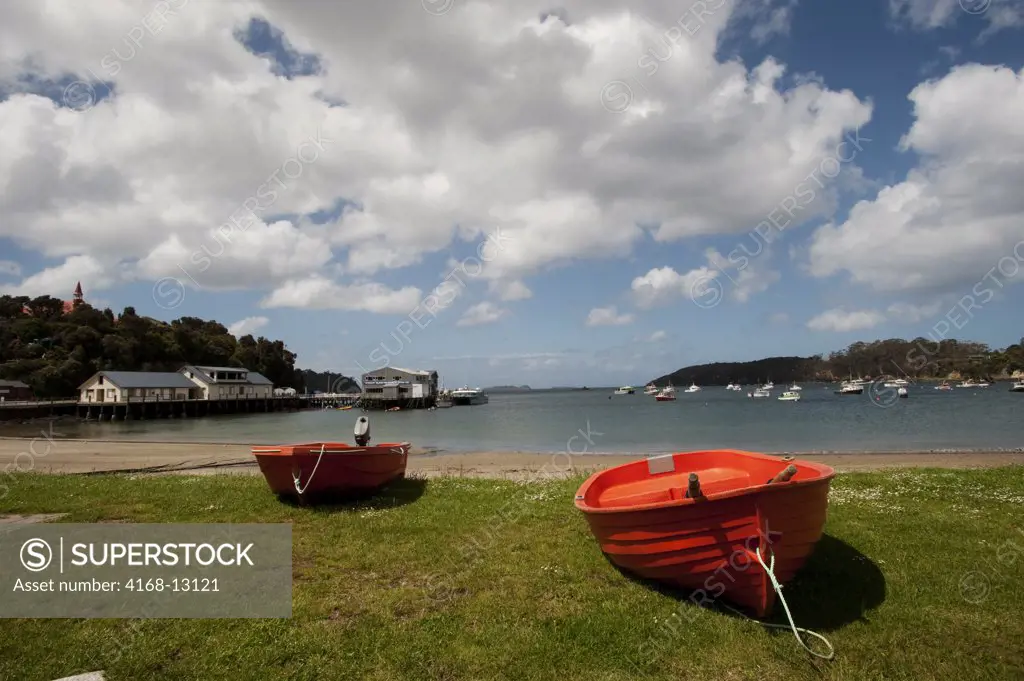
<point x="481" y="313"/>
<point x="924" y="15"/>
<point x="841" y="320"/>
<point x="60" y="281"/>
<point x="320" y="293"/>
<point x="951" y="221"/>
<point x="143" y="181"/>
<point x="657" y="336"/>
<point x="906" y="312"/>
<point x="608" y="316"/>
<point x="510" y="290"/>
<point x="246" y="326"/>
<point x="751" y="275"/>
<point x="663" y="285"/>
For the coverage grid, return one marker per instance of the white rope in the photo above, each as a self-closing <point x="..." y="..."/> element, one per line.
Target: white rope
<point x="792" y="625"/>
<point x="295" y="476"/>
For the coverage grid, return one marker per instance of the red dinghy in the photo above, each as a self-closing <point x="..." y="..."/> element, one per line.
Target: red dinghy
<point x="317" y="470"/>
<point x="697" y="520"/>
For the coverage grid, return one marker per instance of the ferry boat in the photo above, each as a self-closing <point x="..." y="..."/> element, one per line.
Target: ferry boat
<point x="625" y="390"/>
<point x="789" y="396"/>
<point x="466" y="396"/>
<point x="667" y="394"/>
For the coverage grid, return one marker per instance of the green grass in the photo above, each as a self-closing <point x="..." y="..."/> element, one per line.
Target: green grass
<point x="476" y="579"/>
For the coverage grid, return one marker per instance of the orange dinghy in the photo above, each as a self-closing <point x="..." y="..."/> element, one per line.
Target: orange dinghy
<point x="318" y="470"/>
<point x="698" y="520"/>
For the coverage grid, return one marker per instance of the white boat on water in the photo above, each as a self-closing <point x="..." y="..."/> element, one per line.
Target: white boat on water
<point x="759" y="393"/>
<point x="694" y="388"/>
<point x="902" y="392"/>
<point x="897" y="383"/>
<point x="1017" y="387"/>
<point x="651" y="389"/>
<point x="794" y="388"/>
<point x="666" y="394"/>
<point x="850" y="388"/>
<point x="971" y="383"/>
<point x="789" y="396"/>
<point x="768" y="386"/>
<point x="944" y="386"/>
<point x="734" y="386"/>
<point x="466" y="396"/>
<point x="625" y="390"/>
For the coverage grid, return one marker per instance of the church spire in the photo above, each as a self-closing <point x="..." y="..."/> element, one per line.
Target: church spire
<point x="78" y="291"/>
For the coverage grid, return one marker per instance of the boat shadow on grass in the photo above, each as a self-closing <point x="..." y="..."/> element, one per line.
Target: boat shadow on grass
<point x="395" y="494"/>
<point x="837" y="586"/>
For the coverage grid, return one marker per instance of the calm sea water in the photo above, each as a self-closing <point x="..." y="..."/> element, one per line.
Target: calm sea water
<point x="551" y="421"/>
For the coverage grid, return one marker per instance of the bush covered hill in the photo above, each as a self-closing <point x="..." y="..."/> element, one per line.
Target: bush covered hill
<point x="328" y="382"/>
<point x="55" y="352"/>
<point x="920" y="358"/>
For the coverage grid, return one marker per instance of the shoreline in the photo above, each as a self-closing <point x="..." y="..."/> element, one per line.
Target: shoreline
<point x="76" y="456"/>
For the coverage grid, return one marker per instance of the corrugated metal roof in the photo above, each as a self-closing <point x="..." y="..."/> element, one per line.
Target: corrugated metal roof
<point x="13" y="384"/>
<point x="144" y="379"/>
<point x="416" y="372"/>
<point x="257" y="378"/>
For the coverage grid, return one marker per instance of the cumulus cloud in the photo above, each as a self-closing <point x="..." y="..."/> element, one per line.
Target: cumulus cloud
<point x="958" y="214"/>
<point x="320" y="293"/>
<point x="205" y="157"/>
<point x="510" y="290"/>
<point x="663" y="285"/>
<point x="481" y="313"/>
<point x="841" y="320"/>
<point x="246" y="326"/>
<point x="608" y="316"/>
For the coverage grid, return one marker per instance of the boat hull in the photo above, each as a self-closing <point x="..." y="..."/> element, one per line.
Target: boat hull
<point x="645" y="525"/>
<point x="343" y="471"/>
<point x="664" y="398"/>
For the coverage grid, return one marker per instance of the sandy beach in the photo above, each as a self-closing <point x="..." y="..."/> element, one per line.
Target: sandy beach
<point x="85" y="456"/>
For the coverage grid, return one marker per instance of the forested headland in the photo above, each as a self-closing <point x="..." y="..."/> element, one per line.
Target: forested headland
<point x="54" y="351"/>
<point x="920" y="359"/>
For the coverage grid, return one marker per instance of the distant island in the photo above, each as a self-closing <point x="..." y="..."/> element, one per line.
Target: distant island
<point x="920" y="358"/>
<point x="509" y="389"/>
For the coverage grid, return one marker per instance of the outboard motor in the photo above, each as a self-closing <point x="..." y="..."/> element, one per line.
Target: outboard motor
<point x="362" y="431"/>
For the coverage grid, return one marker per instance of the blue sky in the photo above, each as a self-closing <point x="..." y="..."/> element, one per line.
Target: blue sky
<point x="545" y="340"/>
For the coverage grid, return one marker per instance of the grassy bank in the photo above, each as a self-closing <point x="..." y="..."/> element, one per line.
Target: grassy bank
<point x="920" y="576"/>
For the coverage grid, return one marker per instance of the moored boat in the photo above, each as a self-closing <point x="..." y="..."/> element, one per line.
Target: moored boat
<point x="698" y="520"/>
<point x="321" y="470"/>
<point x="902" y="392"/>
<point x="944" y="386"/>
<point x="667" y="394"/>
<point x="1017" y="387"/>
<point x="651" y="389"/>
<point x="850" y="388"/>
<point x="789" y="396"/>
